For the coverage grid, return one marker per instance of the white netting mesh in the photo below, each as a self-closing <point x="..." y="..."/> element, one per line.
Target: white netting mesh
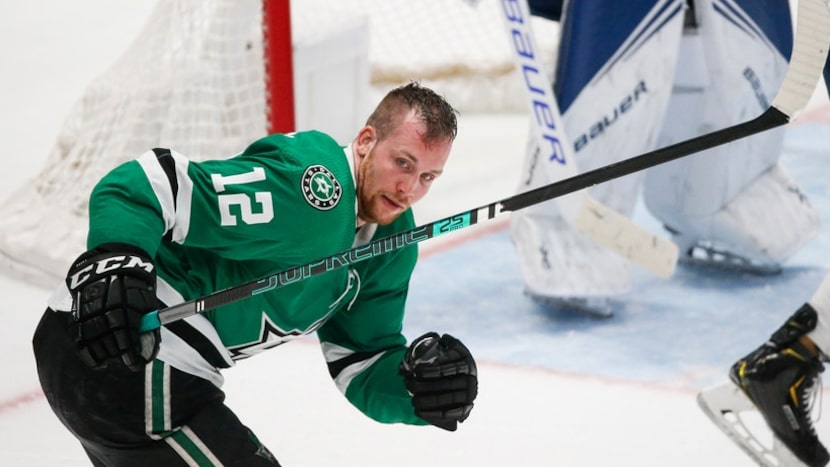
<point x="193" y="81"/>
<point x="460" y="49"/>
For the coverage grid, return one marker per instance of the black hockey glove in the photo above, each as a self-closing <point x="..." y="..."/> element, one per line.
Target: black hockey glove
<point x="112" y="287"/>
<point x="441" y="375"/>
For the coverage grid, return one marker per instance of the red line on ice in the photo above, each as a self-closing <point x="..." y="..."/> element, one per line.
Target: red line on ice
<point x="19" y="401"/>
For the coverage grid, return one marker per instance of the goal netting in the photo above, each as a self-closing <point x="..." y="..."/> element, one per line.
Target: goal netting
<point x="195" y="77"/>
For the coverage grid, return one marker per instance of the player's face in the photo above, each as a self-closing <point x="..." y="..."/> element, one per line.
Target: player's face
<point x="396" y="172"/>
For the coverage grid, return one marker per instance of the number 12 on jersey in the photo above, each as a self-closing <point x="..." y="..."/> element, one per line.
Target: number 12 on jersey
<point x="242" y="200"/>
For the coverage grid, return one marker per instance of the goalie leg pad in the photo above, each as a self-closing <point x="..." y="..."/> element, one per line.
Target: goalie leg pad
<point x="764" y="224"/>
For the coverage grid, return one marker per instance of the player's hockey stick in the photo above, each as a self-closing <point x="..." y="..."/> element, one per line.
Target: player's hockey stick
<point x="809" y="52"/>
<point x="580" y="210"/>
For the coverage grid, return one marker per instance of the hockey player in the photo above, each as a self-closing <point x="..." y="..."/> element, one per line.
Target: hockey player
<point x="164" y="230"/>
<point x="634" y="76"/>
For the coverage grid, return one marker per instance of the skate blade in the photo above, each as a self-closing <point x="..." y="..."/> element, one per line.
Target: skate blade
<point x="717" y="260"/>
<point x="729" y="409"/>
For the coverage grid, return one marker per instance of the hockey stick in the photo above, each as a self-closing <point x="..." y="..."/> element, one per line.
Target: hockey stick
<point x="809" y="51"/>
<point x="581" y="211"/>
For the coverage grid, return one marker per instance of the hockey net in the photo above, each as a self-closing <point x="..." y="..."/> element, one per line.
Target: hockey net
<point x="195" y="80"/>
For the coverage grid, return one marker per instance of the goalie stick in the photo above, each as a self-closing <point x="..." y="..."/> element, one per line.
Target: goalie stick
<point x="809" y="51"/>
<point x="580" y="210"/>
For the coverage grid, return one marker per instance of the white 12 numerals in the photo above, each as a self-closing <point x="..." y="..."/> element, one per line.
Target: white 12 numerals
<point x="262" y="198"/>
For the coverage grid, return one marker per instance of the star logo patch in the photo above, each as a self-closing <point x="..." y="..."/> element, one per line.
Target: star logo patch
<point x="320" y="188"/>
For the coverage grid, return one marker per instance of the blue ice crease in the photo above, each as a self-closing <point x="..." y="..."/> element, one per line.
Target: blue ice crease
<point x="683" y="332"/>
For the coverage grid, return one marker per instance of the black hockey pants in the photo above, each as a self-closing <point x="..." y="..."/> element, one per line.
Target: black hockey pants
<point x="159" y="417"/>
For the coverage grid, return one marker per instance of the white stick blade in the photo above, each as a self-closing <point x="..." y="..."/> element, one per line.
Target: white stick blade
<point x="812" y="38"/>
<point x="613" y="230"/>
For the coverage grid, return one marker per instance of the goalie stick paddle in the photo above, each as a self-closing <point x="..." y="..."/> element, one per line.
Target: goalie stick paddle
<point x="809" y="52"/>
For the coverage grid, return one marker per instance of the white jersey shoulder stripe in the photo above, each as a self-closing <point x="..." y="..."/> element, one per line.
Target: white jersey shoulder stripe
<point x="333" y="352"/>
<point x="175" y="212"/>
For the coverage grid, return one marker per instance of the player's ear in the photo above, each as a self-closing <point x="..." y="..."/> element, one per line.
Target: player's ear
<point x="366" y="138"/>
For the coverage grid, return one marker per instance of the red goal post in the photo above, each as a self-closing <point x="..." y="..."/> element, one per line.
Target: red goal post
<point x="279" y="68"/>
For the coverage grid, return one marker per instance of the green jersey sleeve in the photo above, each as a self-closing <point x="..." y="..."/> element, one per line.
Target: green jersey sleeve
<point x="364" y="345"/>
<point x="124" y="209"/>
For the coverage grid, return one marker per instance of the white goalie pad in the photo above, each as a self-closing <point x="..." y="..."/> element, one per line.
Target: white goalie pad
<point x="556" y="260"/>
<point x="767" y="222"/>
<point x="582" y="245"/>
<point x="734" y="198"/>
<point x="586" y="252"/>
<point x="735" y="415"/>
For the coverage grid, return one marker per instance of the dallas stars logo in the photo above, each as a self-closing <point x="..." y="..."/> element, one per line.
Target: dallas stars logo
<point x="320" y="188"/>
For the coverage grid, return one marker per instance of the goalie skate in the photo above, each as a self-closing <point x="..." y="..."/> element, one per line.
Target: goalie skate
<point x="731" y="411"/>
<point x="709" y="256"/>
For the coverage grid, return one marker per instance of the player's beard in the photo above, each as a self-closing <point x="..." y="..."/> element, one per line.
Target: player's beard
<point x="373" y="204"/>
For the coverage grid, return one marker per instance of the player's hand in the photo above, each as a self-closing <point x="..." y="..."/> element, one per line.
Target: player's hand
<point x="441" y="375"/>
<point x="112" y="287"/>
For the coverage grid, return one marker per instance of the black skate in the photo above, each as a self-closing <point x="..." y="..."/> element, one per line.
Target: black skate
<point x="782" y="384"/>
<point x="780" y="380"/>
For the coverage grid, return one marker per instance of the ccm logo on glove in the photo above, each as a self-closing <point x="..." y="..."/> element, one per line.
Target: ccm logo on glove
<point x="108" y="264"/>
<point x="112" y="287"/>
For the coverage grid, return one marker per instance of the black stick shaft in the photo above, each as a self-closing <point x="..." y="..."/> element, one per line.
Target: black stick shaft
<point x="769" y="119"/>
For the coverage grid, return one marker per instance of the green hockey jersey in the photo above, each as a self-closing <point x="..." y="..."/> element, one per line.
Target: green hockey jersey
<point x="285" y="201"/>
